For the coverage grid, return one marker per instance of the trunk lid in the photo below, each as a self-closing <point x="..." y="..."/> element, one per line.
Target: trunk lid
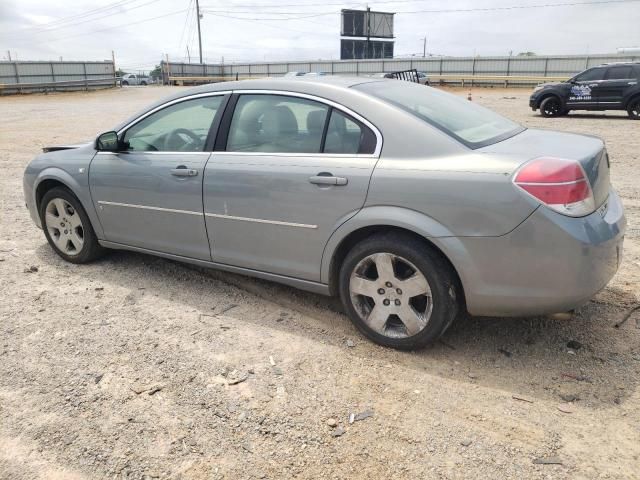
<point x="588" y="150"/>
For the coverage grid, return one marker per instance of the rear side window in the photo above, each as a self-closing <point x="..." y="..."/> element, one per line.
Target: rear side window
<point x="276" y="124"/>
<point x="284" y="124"/>
<point x="590" y="75"/>
<point x="346" y="135"/>
<point x="618" y="73"/>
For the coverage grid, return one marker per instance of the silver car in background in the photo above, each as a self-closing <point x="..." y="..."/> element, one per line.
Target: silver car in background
<point x="409" y="203"/>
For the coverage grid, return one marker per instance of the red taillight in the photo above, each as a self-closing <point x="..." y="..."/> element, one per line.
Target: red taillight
<point x="558" y="183"/>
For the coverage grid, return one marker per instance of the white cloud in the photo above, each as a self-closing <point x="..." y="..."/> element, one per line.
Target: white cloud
<point x="241" y="31"/>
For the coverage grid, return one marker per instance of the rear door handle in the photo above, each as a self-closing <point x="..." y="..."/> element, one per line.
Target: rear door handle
<point x="182" y="171"/>
<point x="328" y="180"/>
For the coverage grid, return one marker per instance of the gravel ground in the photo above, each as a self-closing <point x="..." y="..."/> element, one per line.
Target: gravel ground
<point x="137" y="367"/>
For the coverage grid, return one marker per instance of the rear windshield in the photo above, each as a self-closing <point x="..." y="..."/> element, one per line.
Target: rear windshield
<point x="463" y="120"/>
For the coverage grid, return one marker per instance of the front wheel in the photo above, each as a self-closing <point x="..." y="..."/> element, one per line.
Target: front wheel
<point x="67" y="227"/>
<point x="398" y="292"/>
<point x="634" y="109"/>
<point x="551" y="107"/>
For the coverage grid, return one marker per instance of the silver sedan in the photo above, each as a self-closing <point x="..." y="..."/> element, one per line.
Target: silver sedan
<point x="410" y="204"/>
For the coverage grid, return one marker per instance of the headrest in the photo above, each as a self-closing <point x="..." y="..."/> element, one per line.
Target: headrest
<point x="279" y="121"/>
<point x="315" y="121"/>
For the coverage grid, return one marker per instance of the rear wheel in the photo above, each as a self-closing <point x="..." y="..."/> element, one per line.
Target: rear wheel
<point x="125" y="83"/>
<point x="551" y="107"/>
<point x="398" y="292"/>
<point x="67" y="227"/>
<point x="634" y="108"/>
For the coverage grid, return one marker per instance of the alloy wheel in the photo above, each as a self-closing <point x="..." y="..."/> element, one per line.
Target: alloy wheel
<point x="391" y="295"/>
<point x="552" y="108"/>
<point x="64" y="226"/>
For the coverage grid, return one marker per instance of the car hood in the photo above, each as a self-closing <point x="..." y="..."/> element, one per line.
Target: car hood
<point x="549" y="84"/>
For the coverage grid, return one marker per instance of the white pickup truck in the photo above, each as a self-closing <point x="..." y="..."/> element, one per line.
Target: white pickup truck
<point x="133" y="79"/>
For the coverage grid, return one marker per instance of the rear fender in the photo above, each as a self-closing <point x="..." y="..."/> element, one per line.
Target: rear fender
<point x="404" y="218"/>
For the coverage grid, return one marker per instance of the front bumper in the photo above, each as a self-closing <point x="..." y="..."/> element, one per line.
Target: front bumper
<point x="533" y="102"/>
<point x="550" y="263"/>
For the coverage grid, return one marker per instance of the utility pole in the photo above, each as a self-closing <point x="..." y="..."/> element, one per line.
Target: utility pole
<point x="9" y="54"/>
<point x="199" y="35"/>
<point x="189" y="55"/>
<point x="424" y="47"/>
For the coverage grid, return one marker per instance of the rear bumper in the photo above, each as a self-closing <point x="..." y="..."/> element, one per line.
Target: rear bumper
<point x="550" y="263"/>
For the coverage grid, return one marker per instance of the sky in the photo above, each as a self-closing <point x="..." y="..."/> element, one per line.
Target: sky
<point x="141" y="32"/>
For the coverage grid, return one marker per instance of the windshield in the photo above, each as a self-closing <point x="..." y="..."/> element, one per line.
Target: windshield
<point x="465" y="121"/>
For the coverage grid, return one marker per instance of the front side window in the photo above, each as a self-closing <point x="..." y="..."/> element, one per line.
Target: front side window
<point x="591" y="75"/>
<point x="618" y="73"/>
<point x="181" y="127"/>
<point x="276" y="124"/>
<point x="465" y="121"/>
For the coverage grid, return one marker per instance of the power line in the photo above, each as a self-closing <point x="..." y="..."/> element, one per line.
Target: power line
<point x="519" y="7"/>
<point x="120" y="26"/>
<point x="449" y="10"/>
<point x="71" y="17"/>
<point x="82" y="22"/>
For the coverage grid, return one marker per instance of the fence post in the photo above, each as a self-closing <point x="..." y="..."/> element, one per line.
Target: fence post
<point x="357" y="68"/>
<point x="86" y="83"/>
<point x="53" y="73"/>
<point x="546" y="66"/>
<point x="268" y="71"/>
<point x="15" y="66"/>
<point x="506" y="82"/>
<point x="473" y="71"/>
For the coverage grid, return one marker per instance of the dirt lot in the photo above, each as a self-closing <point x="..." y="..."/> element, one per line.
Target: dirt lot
<point x="125" y="368"/>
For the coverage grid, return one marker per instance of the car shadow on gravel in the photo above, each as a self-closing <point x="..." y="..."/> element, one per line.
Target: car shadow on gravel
<point x="583" y="359"/>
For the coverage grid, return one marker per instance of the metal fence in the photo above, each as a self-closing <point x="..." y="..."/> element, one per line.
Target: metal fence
<point x="35" y="76"/>
<point x="519" y="71"/>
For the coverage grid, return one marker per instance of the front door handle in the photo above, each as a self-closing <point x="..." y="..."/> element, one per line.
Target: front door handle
<point x="183" y="171"/>
<point x="328" y="180"/>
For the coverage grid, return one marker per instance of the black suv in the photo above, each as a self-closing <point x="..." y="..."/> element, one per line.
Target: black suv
<point x="605" y="87"/>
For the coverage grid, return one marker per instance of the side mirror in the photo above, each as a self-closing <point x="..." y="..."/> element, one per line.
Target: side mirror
<point x="108" y="142"/>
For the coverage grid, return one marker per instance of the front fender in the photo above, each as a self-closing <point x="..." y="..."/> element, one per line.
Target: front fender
<point x="78" y="184"/>
<point x="405" y="218"/>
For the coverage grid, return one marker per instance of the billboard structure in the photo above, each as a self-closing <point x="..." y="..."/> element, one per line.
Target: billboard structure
<point x="365" y="25"/>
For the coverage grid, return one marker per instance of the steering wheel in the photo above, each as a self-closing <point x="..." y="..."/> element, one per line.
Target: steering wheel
<point x="179" y="134"/>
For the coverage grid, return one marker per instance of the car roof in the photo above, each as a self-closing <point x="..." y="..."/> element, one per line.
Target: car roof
<point x="318" y="85"/>
<point x="617" y="64"/>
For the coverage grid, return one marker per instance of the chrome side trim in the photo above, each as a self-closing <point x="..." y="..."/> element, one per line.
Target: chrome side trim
<point x="309" y="285"/>
<point x="296" y="155"/>
<point x="259" y="220"/>
<point x="147" y="207"/>
<point x="145" y="152"/>
<point x="335" y="105"/>
<point x="172" y="102"/>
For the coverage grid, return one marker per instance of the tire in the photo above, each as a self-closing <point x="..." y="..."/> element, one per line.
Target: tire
<point x="80" y="244"/>
<point x="551" y="107"/>
<point x="125" y="83"/>
<point x="405" y="320"/>
<point x="143" y="83"/>
<point x="634" y="108"/>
